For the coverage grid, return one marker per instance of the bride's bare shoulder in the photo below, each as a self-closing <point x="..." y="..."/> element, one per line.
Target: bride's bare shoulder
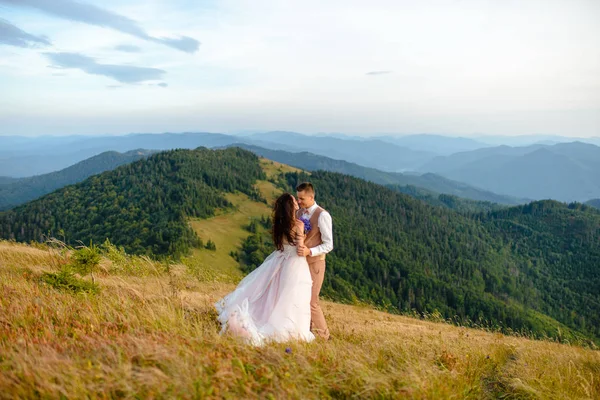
<point x="299" y="226"/>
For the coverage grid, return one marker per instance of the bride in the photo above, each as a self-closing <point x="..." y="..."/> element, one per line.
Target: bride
<point x="272" y="303"/>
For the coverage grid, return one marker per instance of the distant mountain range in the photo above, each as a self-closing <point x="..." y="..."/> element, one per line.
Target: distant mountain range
<point x="374" y="153"/>
<point x="23" y="157"/>
<point x="443" y="145"/>
<point x="528" y="140"/>
<point x="27" y="156"/>
<point x="433" y="183"/>
<point x="7" y="179"/>
<point x="465" y="143"/>
<point x="18" y="191"/>
<point x="594" y="203"/>
<point x="433" y="189"/>
<point x="564" y="171"/>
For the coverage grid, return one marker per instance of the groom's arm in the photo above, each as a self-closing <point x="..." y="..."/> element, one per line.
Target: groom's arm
<point x="326" y="228"/>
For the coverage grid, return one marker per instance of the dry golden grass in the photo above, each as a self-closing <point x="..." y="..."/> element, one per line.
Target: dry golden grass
<point x="156" y="337"/>
<point x="273" y="168"/>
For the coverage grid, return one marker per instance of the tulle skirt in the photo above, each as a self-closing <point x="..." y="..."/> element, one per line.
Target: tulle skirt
<point x="272" y="303"/>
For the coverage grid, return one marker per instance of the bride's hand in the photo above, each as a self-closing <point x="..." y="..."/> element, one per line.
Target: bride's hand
<point x="303" y="251"/>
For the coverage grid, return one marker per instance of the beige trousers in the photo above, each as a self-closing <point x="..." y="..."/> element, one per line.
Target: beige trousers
<point x="318" y="325"/>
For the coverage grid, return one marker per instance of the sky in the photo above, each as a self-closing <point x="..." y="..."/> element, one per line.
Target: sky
<point x="495" y="67"/>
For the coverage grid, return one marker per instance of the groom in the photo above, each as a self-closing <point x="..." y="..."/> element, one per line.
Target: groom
<point x="317" y="242"/>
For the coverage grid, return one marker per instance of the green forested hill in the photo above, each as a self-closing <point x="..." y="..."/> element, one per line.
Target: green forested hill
<point x="507" y="267"/>
<point x="556" y="246"/>
<point x="142" y="206"/>
<point x="449" y="201"/>
<point x="19" y="191"/>
<point x="532" y="267"/>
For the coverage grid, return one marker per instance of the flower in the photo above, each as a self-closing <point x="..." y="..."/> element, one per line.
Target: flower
<point x="307" y="224"/>
<point x="288" y="350"/>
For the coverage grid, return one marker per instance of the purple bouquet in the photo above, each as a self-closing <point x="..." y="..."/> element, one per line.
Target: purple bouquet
<point x="307" y="224"/>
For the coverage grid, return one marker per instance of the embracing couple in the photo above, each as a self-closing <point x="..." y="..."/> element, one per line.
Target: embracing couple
<point x="279" y="300"/>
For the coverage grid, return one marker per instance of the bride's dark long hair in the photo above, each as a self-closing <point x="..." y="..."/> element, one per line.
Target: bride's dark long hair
<point x="283" y="216"/>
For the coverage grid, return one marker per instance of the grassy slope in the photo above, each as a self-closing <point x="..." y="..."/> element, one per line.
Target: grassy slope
<point x="153" y="335"/>
<point x="227" y="230"/>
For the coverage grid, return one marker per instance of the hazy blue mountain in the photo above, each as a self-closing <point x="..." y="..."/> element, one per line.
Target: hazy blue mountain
<point x="344" y="136"/>
<point x="27" y="156"/>
<point x="71" y="144"/>
<point x="27" y="189"/>
<point x="21" y="165"/>
<point x="527" y="140"/>
<point x="34" y="145"/>
<point x="565" y="171"/>
<point x="461" y="159"/>
<point x="588" y="155"/>
<point x="370" y="153"/>
<point x="593" y="203"/>
<point x="443" y="145"/>
<point x="7" y="179"/>
<point x="428" y="184"/>
<point x="503" y="174"/>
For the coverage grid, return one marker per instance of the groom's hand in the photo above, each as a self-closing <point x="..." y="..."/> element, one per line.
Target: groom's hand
<point x="303" y="251"/>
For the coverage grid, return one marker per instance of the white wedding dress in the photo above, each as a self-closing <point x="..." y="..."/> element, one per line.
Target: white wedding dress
<point x="272" y="303"/>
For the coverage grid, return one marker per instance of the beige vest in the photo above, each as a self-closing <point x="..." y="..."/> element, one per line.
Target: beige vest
<point x="313" y="238"/>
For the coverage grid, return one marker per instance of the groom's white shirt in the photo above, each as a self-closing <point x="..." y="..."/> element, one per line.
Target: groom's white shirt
<point x="326" y="228"/>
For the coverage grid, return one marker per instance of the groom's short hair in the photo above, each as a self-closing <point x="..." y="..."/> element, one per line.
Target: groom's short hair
<point x="306" y="187"/>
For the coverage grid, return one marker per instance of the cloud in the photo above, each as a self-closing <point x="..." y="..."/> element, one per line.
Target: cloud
<point x="162" y="84"/>
<point x="121" y="73"/>
<point x="379" y="72"/>
<point x="128" y="48"/>
<point x="14" y="36"/>
<point x="81" y="12"/>
<point x="183" y="43"/>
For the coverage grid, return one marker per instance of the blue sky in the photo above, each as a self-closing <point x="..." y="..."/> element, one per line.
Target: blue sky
<point x="382" y="66"/>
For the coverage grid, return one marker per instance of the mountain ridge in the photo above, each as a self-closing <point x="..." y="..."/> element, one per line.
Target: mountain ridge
<point x="429" y="181"/>
<point x="564" y="172"/>
<point x="442" y="145"/>
<point x="594" y="203"/>
<point x="22" y="190"/>
<point x="372" y="153"/>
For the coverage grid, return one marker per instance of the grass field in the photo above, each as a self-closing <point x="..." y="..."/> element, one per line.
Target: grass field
<point x="153" y="334"/>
